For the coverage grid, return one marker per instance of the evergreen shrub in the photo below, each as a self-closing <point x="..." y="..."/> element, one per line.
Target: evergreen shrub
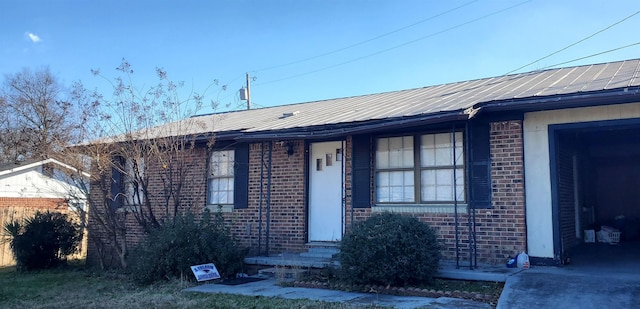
<point x="389" y="249"/>
<point x="169" y="251"/>
<point x="43" y="241"/>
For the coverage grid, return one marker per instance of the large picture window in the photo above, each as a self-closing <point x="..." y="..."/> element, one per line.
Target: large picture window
<point x="221" y="178"/>
<point x="426" y="168"/>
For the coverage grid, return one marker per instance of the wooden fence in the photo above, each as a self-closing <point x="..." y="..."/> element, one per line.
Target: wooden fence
<point x="10" y="214"/>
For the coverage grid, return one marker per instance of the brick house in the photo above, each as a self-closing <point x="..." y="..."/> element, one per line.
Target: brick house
<point x="497" y="165"/>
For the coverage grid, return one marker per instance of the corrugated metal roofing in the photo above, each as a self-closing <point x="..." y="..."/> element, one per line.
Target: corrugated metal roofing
<point x="452" y="97"/>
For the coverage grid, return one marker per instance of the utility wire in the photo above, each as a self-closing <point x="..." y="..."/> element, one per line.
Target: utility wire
<point x="592" y="55"/>
<point x="574" y="44"/>
<point x="395" y="47"/>
<point x="368" y="40"/>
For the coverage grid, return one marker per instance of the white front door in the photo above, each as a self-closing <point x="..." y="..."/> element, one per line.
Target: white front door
<point x="326" y="191"/>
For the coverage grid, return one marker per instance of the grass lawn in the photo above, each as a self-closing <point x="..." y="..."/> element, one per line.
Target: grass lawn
<point x="76" y="287"/>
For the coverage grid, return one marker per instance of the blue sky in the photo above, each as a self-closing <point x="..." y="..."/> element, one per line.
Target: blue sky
<point x="301" y="51"/>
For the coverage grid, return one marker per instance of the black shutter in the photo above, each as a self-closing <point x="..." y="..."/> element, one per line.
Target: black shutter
<point x="241" y="177"/>
<point x="480" y="166"/>
<point x="361" y="171"/>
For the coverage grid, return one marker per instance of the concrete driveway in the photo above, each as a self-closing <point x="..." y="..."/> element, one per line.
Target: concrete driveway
<point x="590" y="285"/>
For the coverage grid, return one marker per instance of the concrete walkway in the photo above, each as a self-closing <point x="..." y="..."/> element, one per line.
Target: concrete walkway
<point x="448" y="269"/>
<point x="270" y="288"/>
<point x="594" y="285"/>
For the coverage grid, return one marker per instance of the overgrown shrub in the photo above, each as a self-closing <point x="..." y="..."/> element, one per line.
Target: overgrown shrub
<point x="169" y="251"/>
<point x="389" y="249"/>
<point x="43" y="241"/>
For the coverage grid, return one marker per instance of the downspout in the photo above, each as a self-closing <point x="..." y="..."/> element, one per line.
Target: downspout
<point x="269" y="197"/>
<point x="471" y="213"/>
<point x="344" y="188"/>
<point x="469" y="225"/>
<point x="351" y="211"/>
<point x="455" y="198"/>
<point x="261" y="196"/>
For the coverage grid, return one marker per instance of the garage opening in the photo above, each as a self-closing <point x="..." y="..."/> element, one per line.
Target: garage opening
<point x="596" y="187"/>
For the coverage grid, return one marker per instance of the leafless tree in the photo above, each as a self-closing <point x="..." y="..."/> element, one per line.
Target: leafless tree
<point x="38" y="116"/>
<point x="140" y="142"/>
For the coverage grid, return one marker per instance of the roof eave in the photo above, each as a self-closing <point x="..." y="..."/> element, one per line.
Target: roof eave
<point x="342" y="130"/>
<point x="582" y="99"/>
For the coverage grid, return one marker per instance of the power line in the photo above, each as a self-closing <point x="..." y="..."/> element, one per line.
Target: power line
<point x="576" y="43"/>
<point x="397" y="46"/>
<point x="592" y="55"/>
<point x="368" y="40"/>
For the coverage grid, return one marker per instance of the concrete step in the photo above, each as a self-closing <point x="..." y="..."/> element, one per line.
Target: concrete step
<point x="283" y="273"/>
<point x="321" y="252"/>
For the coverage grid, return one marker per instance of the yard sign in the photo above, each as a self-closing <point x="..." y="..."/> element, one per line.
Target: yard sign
<point x="205" y="272"/>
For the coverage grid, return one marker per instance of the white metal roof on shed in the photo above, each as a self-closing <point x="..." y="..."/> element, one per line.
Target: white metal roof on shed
<point x="452" y="97"/>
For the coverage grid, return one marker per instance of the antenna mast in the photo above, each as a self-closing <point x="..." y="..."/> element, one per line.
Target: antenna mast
<point x="248" y="91"/>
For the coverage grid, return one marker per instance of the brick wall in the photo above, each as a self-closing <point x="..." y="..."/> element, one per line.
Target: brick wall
<point x="287" y="227"/>
<point x="40" y="203"/>
<point x="501" y="230"/>
<point x="193" y="197"/>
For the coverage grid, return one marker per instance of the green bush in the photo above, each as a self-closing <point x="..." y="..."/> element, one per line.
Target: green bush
<point x="169" y="251"/>
<point x="44" y="241"/>
<point x="389" y="249"/>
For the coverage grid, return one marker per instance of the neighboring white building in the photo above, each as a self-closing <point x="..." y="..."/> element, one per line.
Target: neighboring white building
<point x="41" y="184"/>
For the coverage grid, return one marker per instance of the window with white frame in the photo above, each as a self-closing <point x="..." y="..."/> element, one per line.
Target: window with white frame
<point x="221" y="178"/>
<point x="134" y="171"/>
<point x="416" y="169"/>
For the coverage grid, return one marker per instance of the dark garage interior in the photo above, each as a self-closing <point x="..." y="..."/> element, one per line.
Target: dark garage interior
<point x="597" y="174"/>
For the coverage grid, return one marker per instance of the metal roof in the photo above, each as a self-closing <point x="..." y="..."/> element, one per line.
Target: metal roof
<point x="453" y="98"/>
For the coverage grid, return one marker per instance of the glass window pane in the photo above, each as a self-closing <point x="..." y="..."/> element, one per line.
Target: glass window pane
<point x="397" y="194"/>
<point x="382" y="153"/>
<point x="394" y="152"/>
<point x="437" y="185"/>
<point x="407" y="151"/>
<point x="382" y="194"/>
<point x="396" y="186"/>
<point x="382" y="159"/>
<point x="443" y="140"/>
<point x="221" y="182"/>
<point x="444" y="193"/>
<point x="396" y="178"/>
<point x="223" y="197"/>
<point x="459" y="139"/>
<point x="408" y="178"/>
<point x="221" y="163"/>
<point x="409" y="194"/>
<point x="461" y="193"/>
<point x="459" y="156"/>
<point x="444" y="156"/>
<point x="428" y="177"/>
<point x="382" y="179"/>
<point x="428" y="193"/>
<point x="437" y="150"/>
<point x="427" y="151"/>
